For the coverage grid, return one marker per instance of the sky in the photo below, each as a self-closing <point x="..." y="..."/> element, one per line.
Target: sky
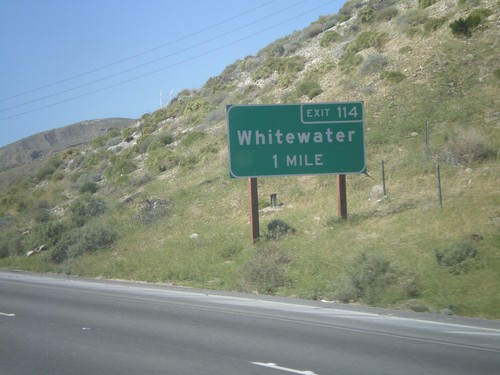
<point x="66" y="61"/>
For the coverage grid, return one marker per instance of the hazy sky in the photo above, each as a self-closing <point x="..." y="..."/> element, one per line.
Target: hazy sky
<point x="65" y="61"/>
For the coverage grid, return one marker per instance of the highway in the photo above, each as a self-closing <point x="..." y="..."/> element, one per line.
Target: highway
<point x="61" y="325"/>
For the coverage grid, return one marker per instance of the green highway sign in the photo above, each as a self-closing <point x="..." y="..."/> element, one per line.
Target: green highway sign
<point x="296" y="139"/>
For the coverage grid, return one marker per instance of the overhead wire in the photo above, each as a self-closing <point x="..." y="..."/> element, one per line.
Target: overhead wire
<point x="151" y="61"/>
<point x="165" y="67"/>
<point x="137" y="54"/>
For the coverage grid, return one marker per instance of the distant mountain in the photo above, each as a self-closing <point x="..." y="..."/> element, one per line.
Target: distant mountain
<point x="22" y="158"/>
<point x="44" y="144"/>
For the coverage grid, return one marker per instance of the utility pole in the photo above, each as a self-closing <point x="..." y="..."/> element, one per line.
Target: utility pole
<point x="161" y="99"/>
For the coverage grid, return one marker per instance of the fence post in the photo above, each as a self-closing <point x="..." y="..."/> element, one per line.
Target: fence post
<point x="439" y="188"/>
<point x="383" y="178"/>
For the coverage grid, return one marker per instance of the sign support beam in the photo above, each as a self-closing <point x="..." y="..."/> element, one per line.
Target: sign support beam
<point x="254" y="209"/>
<point x="341" y="196"/>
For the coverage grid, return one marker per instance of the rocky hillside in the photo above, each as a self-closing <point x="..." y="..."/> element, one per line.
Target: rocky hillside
<point x="40" y="146"/>
<point x="154" y="201"/>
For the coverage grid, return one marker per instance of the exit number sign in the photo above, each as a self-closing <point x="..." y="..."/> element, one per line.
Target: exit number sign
<point x="296" y="139"/>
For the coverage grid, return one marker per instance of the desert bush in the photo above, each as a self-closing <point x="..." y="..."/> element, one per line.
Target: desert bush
<point x="366" y="15"/>
<point x="120" y="165"/>
<point x="277" y="229"/>
<point x="456" y="258"/>
<point x="350" y="60"/>
<point x="312" y="30"/>
<point x="392" y="76"/>
<point x="373" y="64"/>
<point x="496" y="73"/>
<point x="86" y="208"/>
<point x="154" y="209"/>
<point x="11" y="244"/>
<point x="48" y="234"/>
<point x="372" y="278"/>
<point x="426" y="3"/>
<point x="265" y="271"/>
<point x="329" y="38"/>
<point x="411" y="19"/>
<point x="309" y="88"/>
<point x="469" y="146"/>
<point x="192" y="138"/>
<point x="196" y="110"/>
<point x="464" y="27"/>
<point x="161" y="160"/>
<point x="292" y="65"/>
<point x="386" y="14"/>
<point x="81" y="240"/>
<point x="433" y="24"/>
<point x="367" y="39"/>
<point x="88" y="187"/>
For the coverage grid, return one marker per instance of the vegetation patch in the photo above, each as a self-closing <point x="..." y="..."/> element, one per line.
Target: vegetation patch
<point x="456" y="258"/>
<point x="265" y="272"/>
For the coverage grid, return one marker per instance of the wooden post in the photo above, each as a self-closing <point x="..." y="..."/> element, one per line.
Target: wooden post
<point x="254" y="209"/>
<point x="341" y="196"/>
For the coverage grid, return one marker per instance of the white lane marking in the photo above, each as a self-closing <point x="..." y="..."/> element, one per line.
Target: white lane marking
<point x="290" y="370"/>
<point x="5" y="314"/>
<point x="474" y="333"/>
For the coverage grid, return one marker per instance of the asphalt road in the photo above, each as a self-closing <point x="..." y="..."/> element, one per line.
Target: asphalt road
<point x="57" y="325"/>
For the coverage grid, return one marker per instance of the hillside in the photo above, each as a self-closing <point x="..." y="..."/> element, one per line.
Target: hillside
<point x="37" y="148"/>
<point x="155" y="202"/>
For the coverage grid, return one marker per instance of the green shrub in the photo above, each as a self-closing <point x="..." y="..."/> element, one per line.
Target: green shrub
<point x="366" y="15"/>
<point x="312" y="30"/>
<point x="372" y="278"/>
<point x="496" y="73"/>
<point x="411" y="20"/>
<point x="154" y="209"/>
<point x="433" y="24"/>
<point x="464" y="27"/>
<point x="469" y="146"/>
<point x="460" y="27"/>
<point x="81" y="240"/>
<point x="277" y="229"/>
<point x="161" y="160"/>
<point x="386" y="14"/>
<point x="350" y="60"/>
<point x="265" y="272"/>
<point x="456" y="257"/>
<point x="288" y="65"/>
<point x="11" y="244"/>
<point x="196" y="110"/>
<point x="48" y="234"/>
<point x="367" y="39"/>
<point x="86" y="208"/>
<point x="329" y="38"/>
<point x="192" y="138"/>
<point x="120" y="165"/>
<point x="373" y="64"/>
<point x="88" y="187"/>
<point x="392" y="77"/>
<point x="425" y="3"/>
<point x="309" y="88"/>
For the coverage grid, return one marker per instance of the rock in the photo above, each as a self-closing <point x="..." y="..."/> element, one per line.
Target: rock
<point x="194" y="235"/>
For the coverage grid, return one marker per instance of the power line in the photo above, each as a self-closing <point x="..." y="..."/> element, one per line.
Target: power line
<point x="138" y="54"/>
<point x="165" y="67"/>
<point x="149" y="62"/>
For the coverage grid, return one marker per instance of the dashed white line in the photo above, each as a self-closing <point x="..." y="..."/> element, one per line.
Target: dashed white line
<point x="5" y="314"/>
<point x="290" y="370"/>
